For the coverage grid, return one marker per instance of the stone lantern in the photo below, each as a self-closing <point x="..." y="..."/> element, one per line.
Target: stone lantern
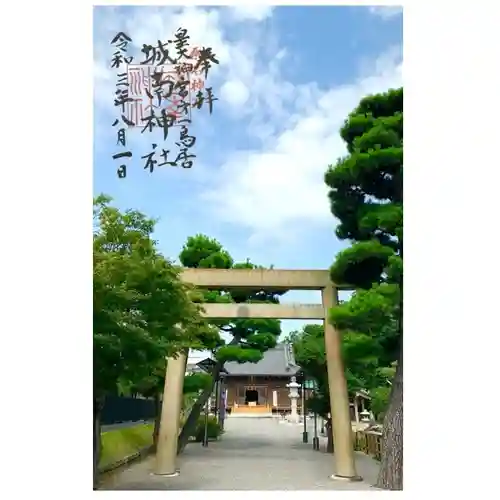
<point x="293" y="394"/>
<point x="365" y="416"/>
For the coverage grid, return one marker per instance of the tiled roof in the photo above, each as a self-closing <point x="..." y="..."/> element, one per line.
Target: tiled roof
<point x="193" y="368"/>
<point x="278" y="361"/>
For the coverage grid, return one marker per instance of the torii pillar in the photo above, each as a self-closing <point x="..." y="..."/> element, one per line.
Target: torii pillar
<point x="166" y="452"/>
<point x="345" y="468"/>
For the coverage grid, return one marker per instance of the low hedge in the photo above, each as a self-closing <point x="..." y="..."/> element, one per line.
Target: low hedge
<point x="214" y="430"/>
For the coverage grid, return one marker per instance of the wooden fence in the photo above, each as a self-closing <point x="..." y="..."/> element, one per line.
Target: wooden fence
<point x="369" y="442"/>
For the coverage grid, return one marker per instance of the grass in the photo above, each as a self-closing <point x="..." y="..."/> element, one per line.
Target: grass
<point x="121" y="443"/>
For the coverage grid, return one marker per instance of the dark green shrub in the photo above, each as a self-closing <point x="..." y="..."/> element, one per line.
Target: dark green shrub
<point x="380" y="401"/>
<point x="213" y="429"/>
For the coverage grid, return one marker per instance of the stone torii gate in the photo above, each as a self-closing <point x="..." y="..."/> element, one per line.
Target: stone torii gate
<point x="266" y="279"/>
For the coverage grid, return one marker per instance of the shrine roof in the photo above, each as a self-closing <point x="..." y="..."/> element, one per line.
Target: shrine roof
<point x="193" y="368"/>
<point x="279" y="362"/>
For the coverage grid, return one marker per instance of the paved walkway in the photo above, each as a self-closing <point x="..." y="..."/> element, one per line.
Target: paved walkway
<point x="253" y="454"/>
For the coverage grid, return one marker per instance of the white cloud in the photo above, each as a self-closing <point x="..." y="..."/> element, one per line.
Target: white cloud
<point x="149" y="24"/>
<point x="250" y="58"/>
<point x="238" y="69"/>
<point x="269" y="191"/>
<point x="386" y="12"/>
<point x="251" y="12"/>
<point x="265" y="191"/>
<point x="235" y="93"/>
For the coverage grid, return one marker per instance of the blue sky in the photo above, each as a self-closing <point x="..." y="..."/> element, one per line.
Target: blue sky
<point x="288" y="77"/>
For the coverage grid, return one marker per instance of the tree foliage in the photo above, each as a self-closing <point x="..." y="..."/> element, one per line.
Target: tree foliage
<point x="196" y="382"/>
<point x="366" y="196"/>
<point x="142" y="311"/>
<point x="248" y="338"/>
<point x="368" y="322"/>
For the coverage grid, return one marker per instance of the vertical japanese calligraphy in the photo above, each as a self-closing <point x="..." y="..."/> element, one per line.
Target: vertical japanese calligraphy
<point x="122" y="97"/>
<point x="159" y="93"/>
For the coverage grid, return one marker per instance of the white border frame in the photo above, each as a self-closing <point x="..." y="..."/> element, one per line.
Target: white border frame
<point x="451" y="88"/>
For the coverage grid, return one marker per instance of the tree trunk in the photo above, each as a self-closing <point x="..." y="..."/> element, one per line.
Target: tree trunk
<point x="391" y="468"/>
<point x="186" y="352"/>
<point x="156" y="430"/>
<point x="192" y="420"/>
<point x="98" y="404"/>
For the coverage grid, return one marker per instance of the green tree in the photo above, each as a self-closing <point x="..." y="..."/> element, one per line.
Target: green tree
<point x="368" y="322"/>
<point x="139" y="302"/>
<point x="309" y="351"/>
<point x="368" y="331"/>
<point x="201" y="336"/>
<point x="363" y="321"/>
<point x="249" y="338"/>
<point x="366" y="195"/>
<point x="380" y="400"/>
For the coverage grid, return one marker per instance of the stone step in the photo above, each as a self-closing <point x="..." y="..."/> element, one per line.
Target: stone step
<point x="249" y="415"/>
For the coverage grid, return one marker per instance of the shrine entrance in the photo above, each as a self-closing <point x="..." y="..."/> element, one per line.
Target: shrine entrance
<point x="279" y="280"/>
<point x="251" y="397"/>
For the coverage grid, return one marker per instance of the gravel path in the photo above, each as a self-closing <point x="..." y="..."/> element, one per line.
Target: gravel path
<point x="253" y="454"/>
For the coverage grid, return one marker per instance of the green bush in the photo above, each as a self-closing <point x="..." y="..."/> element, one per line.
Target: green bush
<point x="380" y="401"/>
<point x="213" y="429"/>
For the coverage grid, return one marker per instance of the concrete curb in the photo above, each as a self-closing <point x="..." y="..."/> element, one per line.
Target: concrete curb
<point x="142" y="453"/>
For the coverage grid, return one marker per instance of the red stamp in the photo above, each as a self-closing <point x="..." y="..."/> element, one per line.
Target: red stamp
<point x="169" y="87"/>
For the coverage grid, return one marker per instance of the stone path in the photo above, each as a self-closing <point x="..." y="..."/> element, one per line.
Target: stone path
<point x="253" y="454"/>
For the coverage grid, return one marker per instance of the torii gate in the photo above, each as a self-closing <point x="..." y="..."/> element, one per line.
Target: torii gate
<point x="266" y="279"/>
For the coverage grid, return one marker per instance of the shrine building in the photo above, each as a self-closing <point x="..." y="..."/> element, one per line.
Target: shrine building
<point x="260" y="388"/>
